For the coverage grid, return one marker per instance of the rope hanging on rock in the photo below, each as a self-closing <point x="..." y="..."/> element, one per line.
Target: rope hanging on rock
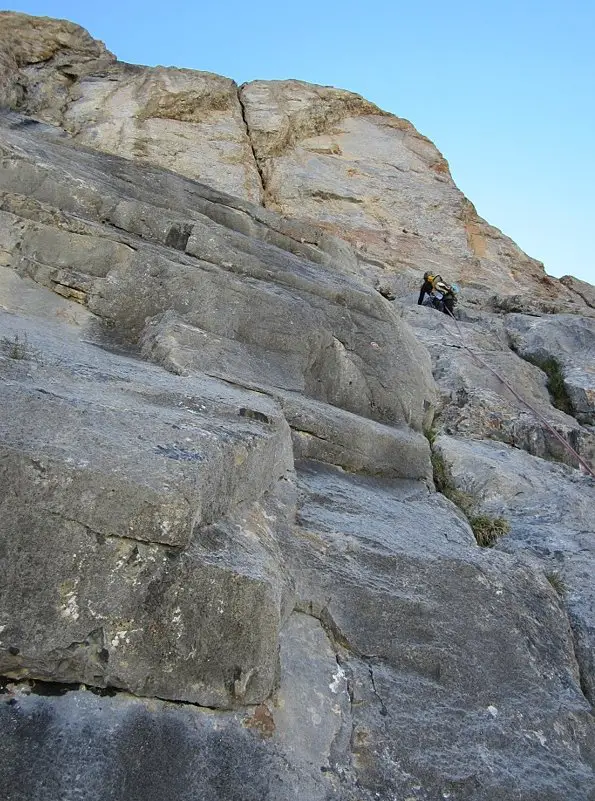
<point x="583" y="463"/>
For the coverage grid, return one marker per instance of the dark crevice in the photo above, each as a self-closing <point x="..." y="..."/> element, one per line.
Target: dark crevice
<point x="255" y="157"/>
<point x="319" y="194"/>
<point x="178" y="236"/>
<point x="102" y="537"/>
<point x="51" y="688"/>
<point x="308" y="433"/>
<point x="31" y="686"/>
<point x="584" y="673"/>
<point x="336" y="637"/>
<point x="383" y="709"/>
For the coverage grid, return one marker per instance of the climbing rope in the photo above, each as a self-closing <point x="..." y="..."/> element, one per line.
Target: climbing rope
<point x="583" y="463"/>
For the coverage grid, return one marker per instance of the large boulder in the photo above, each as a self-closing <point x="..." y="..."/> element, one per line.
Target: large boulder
<point x="113" y="475"/>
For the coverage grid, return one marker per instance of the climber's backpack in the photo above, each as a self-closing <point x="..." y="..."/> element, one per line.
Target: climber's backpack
<point x="441" y="286"/>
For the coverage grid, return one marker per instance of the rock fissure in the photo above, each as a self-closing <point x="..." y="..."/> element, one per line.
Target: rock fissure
<point x="584" y="660"/>
<point x="12" y="686"/>
<point x="102" y="536"/>
<point x="335" y="636"/>
<point x="383" y="708"/>
<point x="308" y="432"/>
<point x="253" y="149"/>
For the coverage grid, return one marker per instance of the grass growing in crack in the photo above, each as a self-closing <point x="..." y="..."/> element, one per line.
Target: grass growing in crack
<point x="430" y="434"/>
<point x="487" y="530"/>
<point x="445" y="484"/>
<point x="557" y="582"/>
<point x="555" y="382"/>
<point x="18" y="348"/>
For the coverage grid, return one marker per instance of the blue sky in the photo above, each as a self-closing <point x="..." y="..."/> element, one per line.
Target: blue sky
<point x="506" y="89"/>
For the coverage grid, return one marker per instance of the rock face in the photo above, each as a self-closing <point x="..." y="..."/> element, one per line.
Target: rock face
<point x="218" y="295"/>
<point x="227" y="573"/>
<point x="570" y="342"/>
<point x="469" y="356"/>
<point x="312" y="153"/>
<point x="328" y="156"/>
<point x="113" y="464"/>
<point x="550" y="511"/>
<point x="190" y="122"/>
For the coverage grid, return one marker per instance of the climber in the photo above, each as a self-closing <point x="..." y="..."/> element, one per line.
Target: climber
<point x="442" y="295"/>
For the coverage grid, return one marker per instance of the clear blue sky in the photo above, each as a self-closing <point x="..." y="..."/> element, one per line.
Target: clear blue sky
<point x="505" y="88"/>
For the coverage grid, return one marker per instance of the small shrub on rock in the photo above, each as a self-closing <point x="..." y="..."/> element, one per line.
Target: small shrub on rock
<point x="555" y="382"/>
<point x="557" y="582"/>
<point x="18" y="348"/>
<point x="488" y="530"/>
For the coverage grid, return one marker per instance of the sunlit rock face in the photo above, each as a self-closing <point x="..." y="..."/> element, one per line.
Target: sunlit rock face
<point x="187" y="121"/>
<point x="226" y="570"/>
<point x="310" y="152"/>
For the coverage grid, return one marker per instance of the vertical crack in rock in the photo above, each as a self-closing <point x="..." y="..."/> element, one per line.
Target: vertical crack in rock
<point x="255" y="157"/>
<point x="341" y="750"/>
<point x="383" y="709"/>
<point x="584" y="671"/>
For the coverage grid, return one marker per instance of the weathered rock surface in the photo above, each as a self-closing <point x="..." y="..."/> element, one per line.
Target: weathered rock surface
<point x="329" y="156"/>
<point x="426" y="642"/>
<point x="132" y="583"/>
<point x="190" y="122"/>
<point x="112" y="473"/>
<point x="40" y="58"/>
<point x="435" y="668"/>
<point x="550" y="509"/>
<point x="123" y="748"/>
<point x="210" y="297"/>
<point x="252" y="533"/>
<point x="570" y="342"/>
<point x="582" y="288"/>
<point x="468" y="356"/>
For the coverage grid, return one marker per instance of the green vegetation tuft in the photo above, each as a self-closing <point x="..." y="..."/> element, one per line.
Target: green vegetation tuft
<point x="487" y="530"/>
<point x="445" y="484"/>
<point x="431" y="434"/>
<point x="555" y="382"/>
<point x="557" y="582"/>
